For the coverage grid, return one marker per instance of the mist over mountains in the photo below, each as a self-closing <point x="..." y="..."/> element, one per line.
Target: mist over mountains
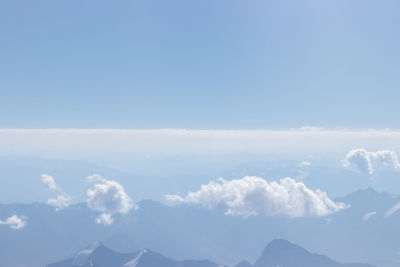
<point x="25" y="185"/>
<point x="208" y="133"/>
<point x="211" y="221"/>
<point x="364" y="232"/>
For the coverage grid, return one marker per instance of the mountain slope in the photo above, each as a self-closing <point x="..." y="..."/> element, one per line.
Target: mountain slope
<point x="282" y="253"/>
<point x="201" y="233"/>
<point x="244" y="264"/>
<point x="98" y="255"/>
<point x="279" y="252"/>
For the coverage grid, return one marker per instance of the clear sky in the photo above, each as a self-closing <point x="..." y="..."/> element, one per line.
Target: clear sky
<point x="199" y="64"/>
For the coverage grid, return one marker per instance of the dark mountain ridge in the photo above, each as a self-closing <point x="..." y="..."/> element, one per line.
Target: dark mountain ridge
<point x="282" y="253"/>
<point x="98" y="255"/>
<point x="277" y="253"/>
<point x="198" y="233"/>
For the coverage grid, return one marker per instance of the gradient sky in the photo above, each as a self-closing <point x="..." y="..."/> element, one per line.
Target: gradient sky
<point x="199" y="64"/>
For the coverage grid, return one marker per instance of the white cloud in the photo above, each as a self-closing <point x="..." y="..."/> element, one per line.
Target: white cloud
<point x="303" y="171"/>
<point x="95" y="178"/>
<point x="112" y="146"/>
<point x="368" y="162"/>
<point x="15" y="222"/>
<point x="255" y="196"/>
<point x="105" y="218"/>
<point x="311" y="128"/>
<point x="174" y="199"/>
<point x="305" y="164"/>
<point x="301" y="174"/>
<point x="108" y="197"/>
<point x="393" y="210"/>
<point x="60" y="202"/>
<point x="368" y="215"/>
<point x="48" y="181"/>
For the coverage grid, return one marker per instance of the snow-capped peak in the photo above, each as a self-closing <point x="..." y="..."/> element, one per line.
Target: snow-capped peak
<point x="135" y="261"/>
<point x="83" y="255"/>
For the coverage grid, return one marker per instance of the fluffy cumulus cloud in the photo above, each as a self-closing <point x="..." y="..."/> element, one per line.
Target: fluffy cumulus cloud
<point x="48" y="181"/>
<point x="15" y="222"/>
<point x="108" y="197"/>
<point x="368" y="162"/>
<point x="62" y="199"/>
<point x="255" y="196"/>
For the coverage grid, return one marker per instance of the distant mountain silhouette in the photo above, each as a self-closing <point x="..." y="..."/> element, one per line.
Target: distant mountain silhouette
<point x="98" y="255"/>
<point x="360" y="233"/>
<point x="375" y="200"/>
<point x="278" y="253"/>
<point x="243" y="264"/>
<point x="282" y="253"/>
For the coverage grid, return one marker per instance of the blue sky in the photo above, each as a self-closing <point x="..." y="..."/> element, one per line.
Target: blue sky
<point x="199" y="64"/>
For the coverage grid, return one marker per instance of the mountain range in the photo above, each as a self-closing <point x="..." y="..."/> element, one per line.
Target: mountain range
<point x="278" y="253"/>
<point x="364" y="232"/>
<point x="98" y="255"/>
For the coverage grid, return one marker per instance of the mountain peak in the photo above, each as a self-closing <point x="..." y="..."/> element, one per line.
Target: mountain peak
<point x="280" y="241"/>
<point x="367" y="192"/>
<point x="244" y="264"/>
<point x="95" y="245"/>
<point x="146" y="257"/>
<point x="83" y="255"/>
<point x="281" y="252"/>
<point x="370" y="198"/>
<point x="281" y="244"/>
<point x="279" y="248"/>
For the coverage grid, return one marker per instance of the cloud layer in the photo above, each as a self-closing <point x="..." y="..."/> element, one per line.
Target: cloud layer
<point x="15" y="222"/>
<point x="255" y="196"/>
<point x="368" y="162"/>
<point x="105" y="146"/>
<point x="108" y="197"/>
